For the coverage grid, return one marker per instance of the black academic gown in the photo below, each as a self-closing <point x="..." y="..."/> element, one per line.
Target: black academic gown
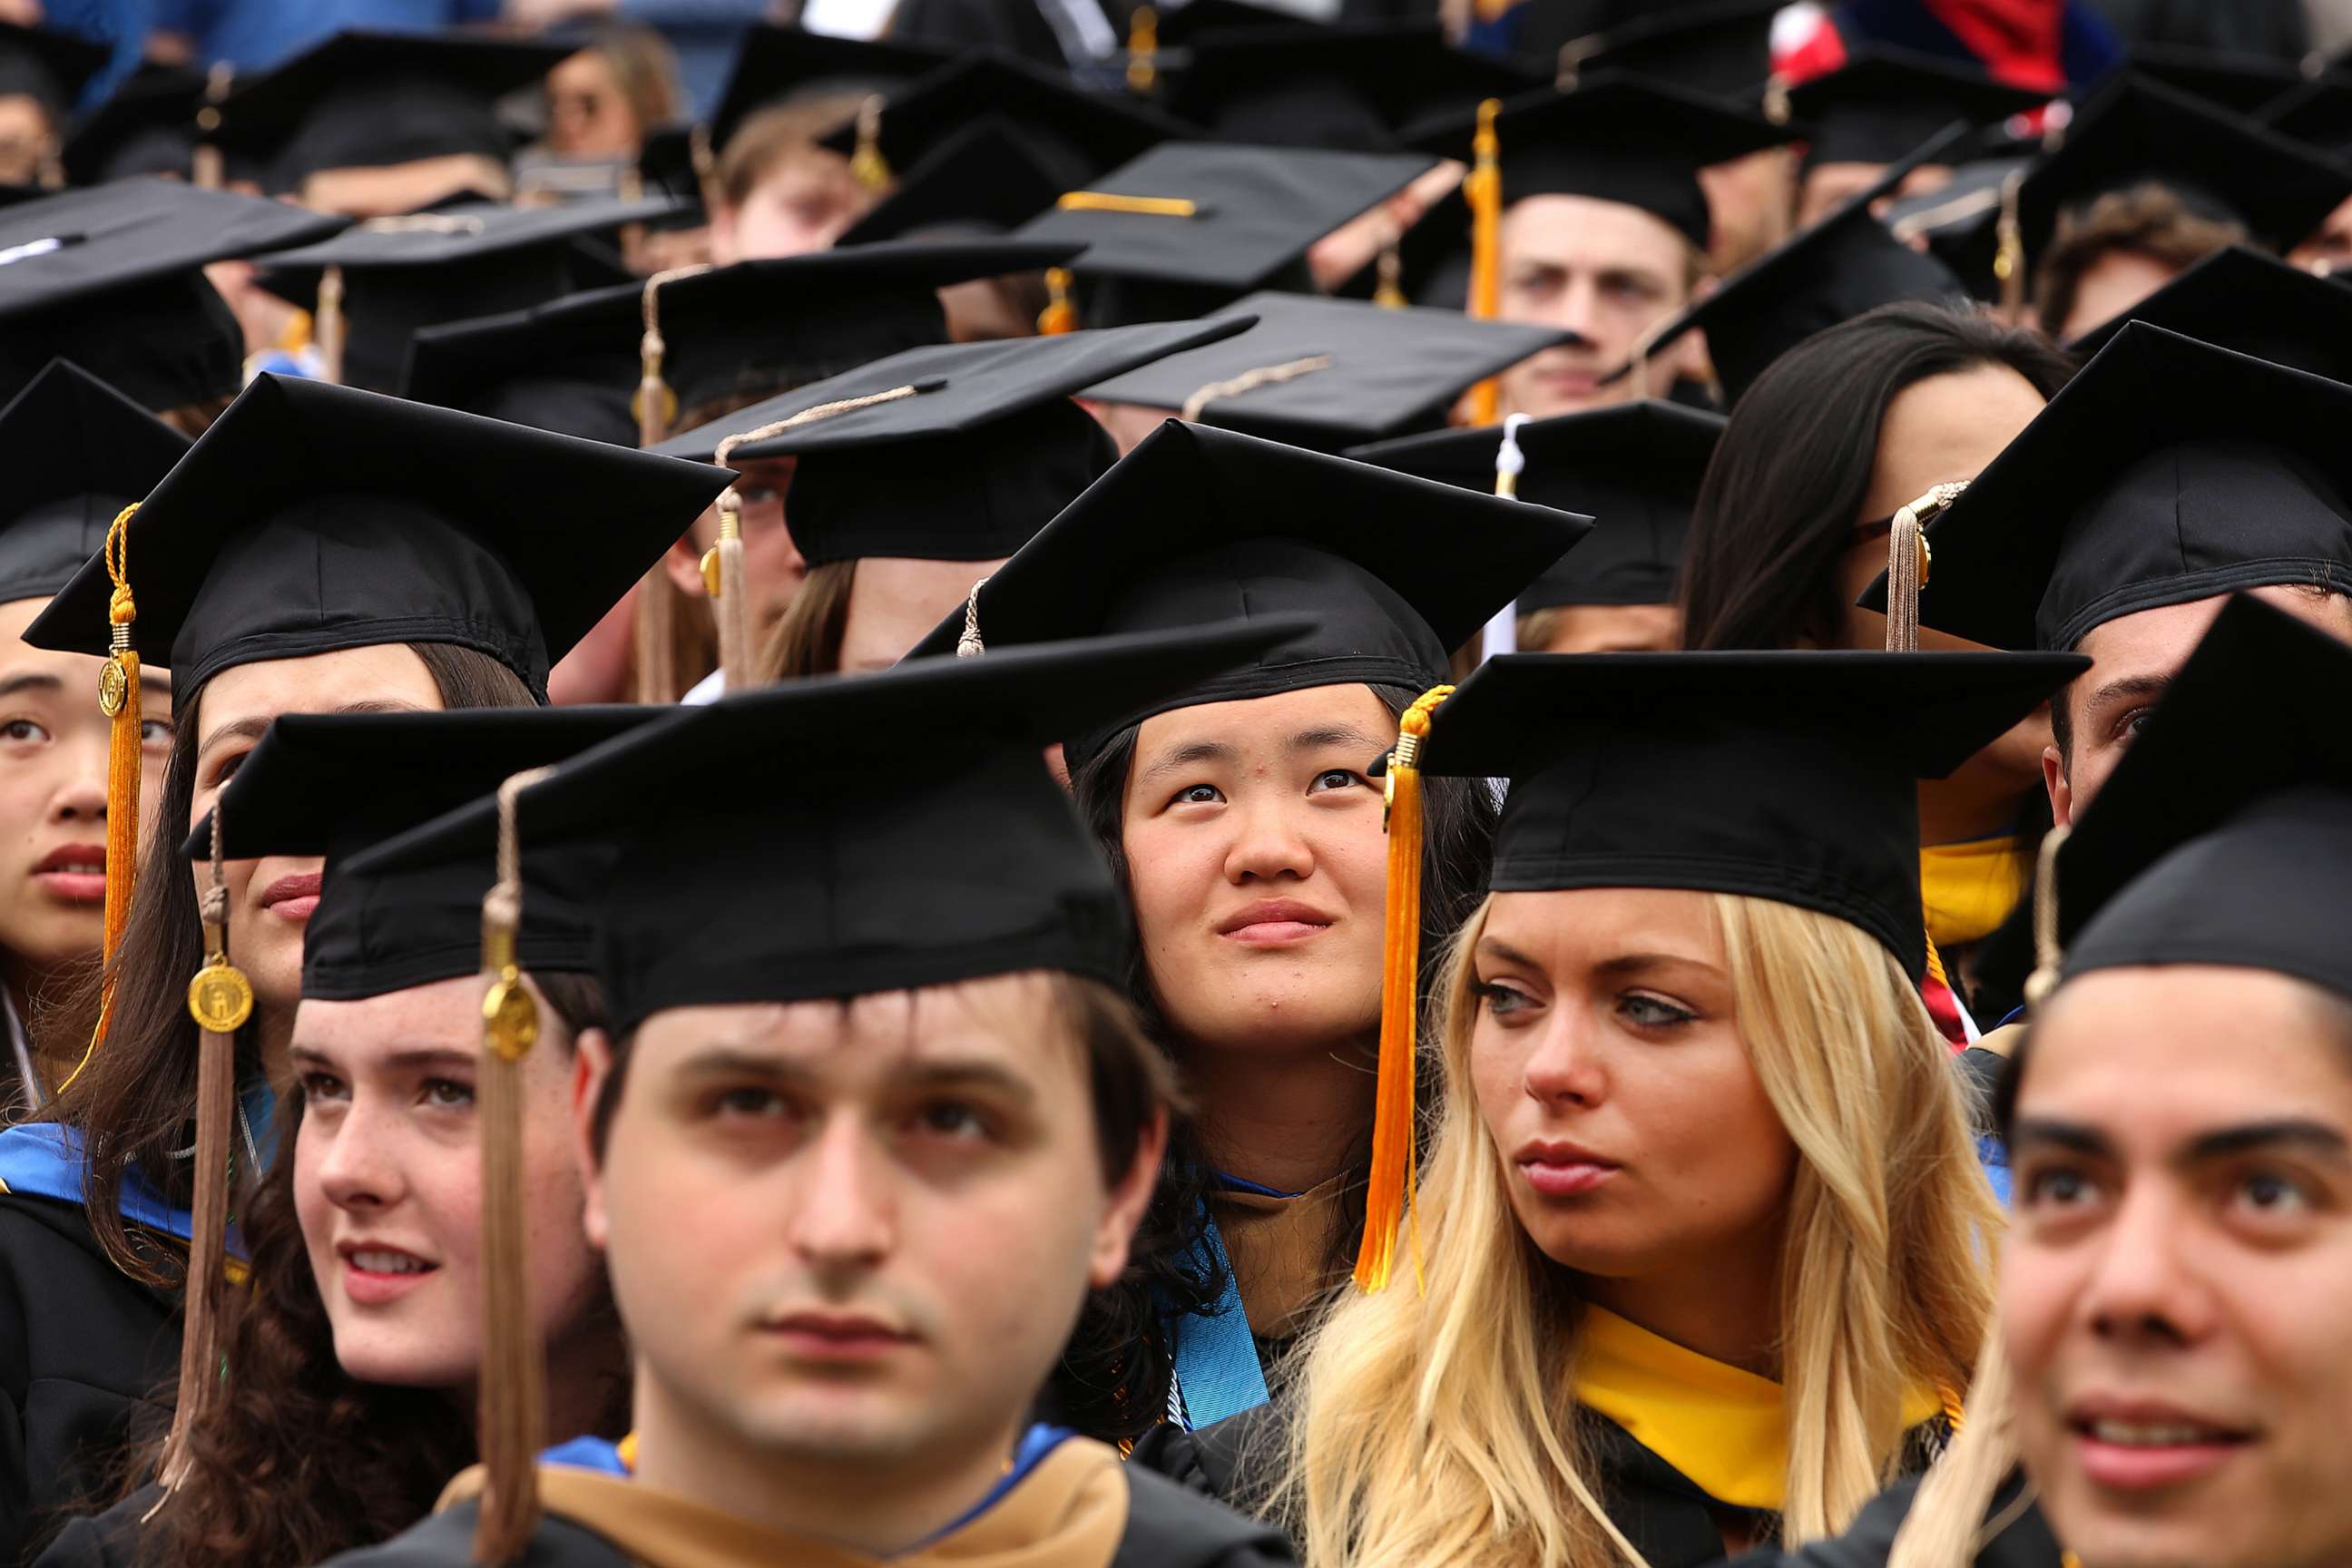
<point x="2024" y="1542"/>
<point x="1662" y="1511"/>
<point x="84" y="1353"/>
<point x="1167" y="1526"/>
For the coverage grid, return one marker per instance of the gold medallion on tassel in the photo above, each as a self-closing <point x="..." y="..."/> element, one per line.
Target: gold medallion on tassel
<point x="220" y="998"/>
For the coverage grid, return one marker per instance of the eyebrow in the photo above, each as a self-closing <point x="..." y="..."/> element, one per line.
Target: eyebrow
<point x="737" y="1061"/>
<point x="1629" y="963"/>
<point x="413" y="1058"/>
<point x="1198" y="751"/>
<point x="30" y="681"/>
<point x="255" y="726"/>
<point x="2222" y="1144"/>
<point x="2127" y="686"/>
<point x="1335" y="735"/>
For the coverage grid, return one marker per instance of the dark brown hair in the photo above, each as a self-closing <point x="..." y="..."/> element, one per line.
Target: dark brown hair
<point x="807" y="639"/>
<point x="2148" y="220"/>
<point x="301" y="1461"/>
<point x="1777" y="513"/>
<point x="133" y="1103"/>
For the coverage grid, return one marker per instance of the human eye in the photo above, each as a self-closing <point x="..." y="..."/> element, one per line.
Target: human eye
<point x="954" y="1120"/>
<point x="2269" y="1195"/>
<point x="222" y="768"/>
<point x="2056" y="1188"/>
<point x="1503" y="1002"/>
<point x="447" y="1094"/>
<point x="321" y="1087"/>
<point x="154" y="732"/>
<point x="748" y="1102"/>
<point x="1336" y="778"/>
<point x="1647" y="1012"/>
<point x="25" y="732"/>
<point x="1197" y="795"/>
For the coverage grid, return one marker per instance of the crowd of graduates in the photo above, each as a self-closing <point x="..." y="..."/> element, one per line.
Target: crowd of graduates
<point x="1179" y="789"/>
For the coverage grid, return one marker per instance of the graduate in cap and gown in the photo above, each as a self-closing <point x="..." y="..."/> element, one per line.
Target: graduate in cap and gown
<point x="1876" y="109"/>
<point x="1247" y="831"/>
<point x="896" y="1086"/>
<point x="1671" y="1287"/>
<point x="42" y="71"/>
<point x="320" y="548"/>
<point x="2192" y="1046"/>
<point x="340" y="1405"/>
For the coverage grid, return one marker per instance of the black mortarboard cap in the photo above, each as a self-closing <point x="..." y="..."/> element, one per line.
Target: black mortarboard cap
<point x="985" y="449"/>
<point x="2238" y="81"/>
<point x="2241" y="299"/>
<point x="1883" y="104"/>
<point x="985" y="179"/>
<point x="1197" y="525"/>
<point x="905" y="832"/>
<point x="1832" y="272"/>
<point x="1181" y="26"/>
<point x="2168" y="470"/>
<point x="112" y="279"/>
<point x="2319" y="111"/>
<point x="75" y="452"/>
<point x="2135" y="130"/>
<point x="1079" y="135"/>
<point x="311" y="518"/>
<point x="49" y="65"/>
<point x="363" y="99"/>
<point x="146" y="126"/>
<point x="1255" y="212"/>
<point x="1348" y="89"/>
<point x="667" y="164"/>
<point x="1633" y="468"/>
<point x="315" y="784"/>
<point x="773" y="64"/>
<point x="1389" y="371"/>
<point x="1722" y="47"/>
<point x="1616" y="138"/>
<point x="2222" y="835"/>
<point x="577" y="357"/>
<point x="1780" y="775"/>
<point x="468" y="259"/>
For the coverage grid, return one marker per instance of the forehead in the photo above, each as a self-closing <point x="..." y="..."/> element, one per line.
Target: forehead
<point x="1585" y="231"/>
<point x="444" y="1014"/>
<point x="1270" y="721"/>
<point x="1012" y="1022"/>
<point x="319" y="683"/>
<point x="2154" y="1054"/>
<point x="2148" y="642"/>
<point x="1608" y="922"/>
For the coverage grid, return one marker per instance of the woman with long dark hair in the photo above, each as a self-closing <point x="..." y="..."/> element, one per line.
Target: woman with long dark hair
<point x="1792" y="524"/>
<point x="270" y="579"/>
<point x="1246" y="826"/>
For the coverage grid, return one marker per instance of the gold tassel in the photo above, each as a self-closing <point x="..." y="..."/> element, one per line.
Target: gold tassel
<point x="2048" y="954"/>
<point x="656" y="405"/>
<point x="2008" y="257"/>
<point x="1389" y="1197"/>
<point x="513" y="1400"/>
<point x="327" y="332"/>
<point x="652" y="636"/>
<point x="1484" y="190"/>
<point x="971" y="645"/>
<point x="119" y="699"/>
<point x="1143" y="52"/>
<point x="1389" y="293"/>
<point x="1059" y="315"/>
<point x="867" y="166"/>
<point x="208" y="169"/>
<point x="1908" y="561"/>
<point x="220" y="999"/>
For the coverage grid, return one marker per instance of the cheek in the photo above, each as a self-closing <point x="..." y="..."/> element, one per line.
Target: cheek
<point x="311" y="1205"/>
<point x="1701" y="1110"/>
<point x="1170" y="872"/>
<point x="2036" y="1284"/>
<point x="1498" y="1060"/>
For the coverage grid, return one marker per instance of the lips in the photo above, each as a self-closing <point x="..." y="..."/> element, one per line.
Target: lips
<point x="1561" y="1170"/>
<point x="1274" y="922"/>
<point x="2139" y="1446"/>
<point x="74" y="873"/>
<point x="837" y="1337"/>
<point x="292" y="897"/>
<point x="377" y="1275"/>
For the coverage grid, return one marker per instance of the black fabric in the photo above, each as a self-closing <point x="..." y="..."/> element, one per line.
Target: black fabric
<point x="47" y="65"/>
<point x="75" y="453"/>
<point x="1635" y="469"/>
<point x="2167" y="471"/>
<point x="1349" y="90"/>
<point x="1615" y="137"/>
<point x="371" y="100"/>
<point x="1259" y="209"/>
<point x="1198" y="525"/>
<point x="146" y="126"/>
<point x="1791" y="776"/>
<point x="1718" y="47"/>
<point x="1087" y="132"/>
<point x="2319" y="111"/>
<point x="774" y="65"/>
<point x="1829" y="272"/>
<point x="904" y="832"/>
<point x="1391" y="371"/>
<point x="108" y="1539"/>
<point x="986" y="178"/>
<point x="1881" y="104"/>
<point x="987" y="449"/>
<point x="1016" y="29"/>
<point x="2240" y="82"/>
<point x="303" y="521"/>
<point x="316" y="784"/>
<point x="2024" y="1540"/>
<point x="2241" y="299"/>
<point x="85" y="1353"/>
<point x="2222" y="835"/>
<point x="446" y="1540"/>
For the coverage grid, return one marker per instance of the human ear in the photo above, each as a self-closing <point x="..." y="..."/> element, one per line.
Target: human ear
<point x="591" y="1064"/>
<point x="1124" y="1205"/>
<point x="2053" y="779"/>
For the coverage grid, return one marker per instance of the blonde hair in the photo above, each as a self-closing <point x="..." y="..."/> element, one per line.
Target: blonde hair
<point x="1441" y="1428"/>
<point x="1946" y="1526"/>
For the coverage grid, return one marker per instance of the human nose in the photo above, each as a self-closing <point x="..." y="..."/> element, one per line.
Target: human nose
<point x="81" y="795"/>
<point x="1566" y="1067"/>
<point x="844" y="1218"/>
<point x="358" y="1171"/>
<point x="1267" y="843"/>
<point x="2143" y="1286"/>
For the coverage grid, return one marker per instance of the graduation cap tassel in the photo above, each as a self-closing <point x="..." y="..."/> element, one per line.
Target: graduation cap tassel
<point x="220" y="999"/>
<point x="867" y="166"/>
<point x="1389" y="292"/>
<point x="208" y="167"/>
<point x="327" y="327"/>
<point x="117" y="699"/>
<point x="2048" y="954"/>
<point x="1908" y="560"/>
<point x="1484" y="191"/>
<point x="1059" y="315"/>
<point x="512" y="1410"/>
<point x="2008" y="257"/>
<point x="1143" y="52"/>
<point x="1389" y="1197"/>
<point x="656" y="405"/>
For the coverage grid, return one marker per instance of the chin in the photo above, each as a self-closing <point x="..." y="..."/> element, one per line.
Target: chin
<point x="405" y="1360"/>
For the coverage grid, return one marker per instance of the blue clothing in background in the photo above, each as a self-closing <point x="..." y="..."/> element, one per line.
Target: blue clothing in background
<point x="253" y="34"/>
<point x="704" y="35"/>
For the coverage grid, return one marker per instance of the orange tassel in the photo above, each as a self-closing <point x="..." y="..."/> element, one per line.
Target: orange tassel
<point x="1059" y="315"/>
<point x="118" y="698"/>
<point x="1389" y="1197"/>
<point x="1484" y="191"/>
